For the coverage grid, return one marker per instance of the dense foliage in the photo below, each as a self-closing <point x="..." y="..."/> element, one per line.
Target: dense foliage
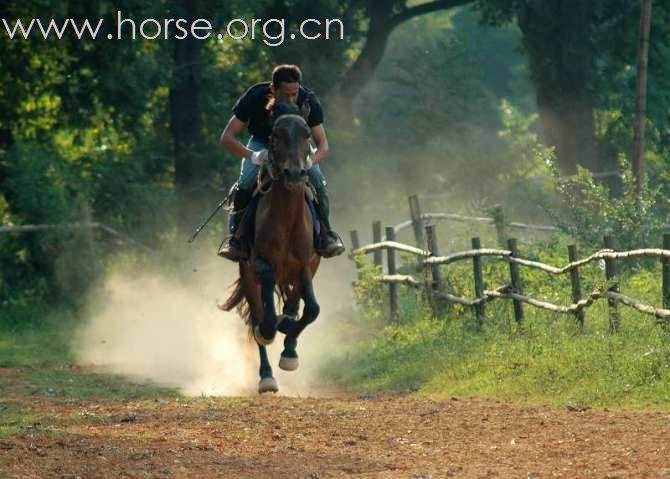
<point x="126" y="133"/>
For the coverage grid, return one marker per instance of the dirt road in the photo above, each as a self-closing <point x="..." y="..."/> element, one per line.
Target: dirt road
<point x="347" y="436"/>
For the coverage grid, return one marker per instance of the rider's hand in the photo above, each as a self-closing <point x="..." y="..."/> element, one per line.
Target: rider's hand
<point x="258" y="157"/>
<point x="310" y="157"/>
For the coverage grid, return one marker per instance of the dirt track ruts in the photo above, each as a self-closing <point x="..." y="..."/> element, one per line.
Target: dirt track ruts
<point x="348" y="436"/>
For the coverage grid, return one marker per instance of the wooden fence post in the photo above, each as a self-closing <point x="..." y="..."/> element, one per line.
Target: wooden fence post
<point x="610" y="274"/>
<point x="498" y="217"/>
<point x="355" y="244"/>
<point x="479" y="281"/>
<point x="433" y="247"/>
<point x="435" y="272"/>
<point x="376" y="238"/>
<point x="666" y="272"/>
<point x="576" y="287"/>
<point x="515" y="280"/>
<point x="417" y="221"/>
<point x="666" y="279"/>
<point x="393" y="287"/>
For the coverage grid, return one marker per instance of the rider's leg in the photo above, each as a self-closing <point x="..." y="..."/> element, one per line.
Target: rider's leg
<point x="233" y="248"/>
<point x="330" y="244"/>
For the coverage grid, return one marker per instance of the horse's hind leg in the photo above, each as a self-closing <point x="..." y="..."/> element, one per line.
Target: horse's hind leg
<point x="311" y="309"/>
<point x="267" y="382"/>
<point x="264" y="333"/>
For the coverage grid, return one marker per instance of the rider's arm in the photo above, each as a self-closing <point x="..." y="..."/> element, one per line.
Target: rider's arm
<point x="229" y="139"/>
<point x="319" y="135"/>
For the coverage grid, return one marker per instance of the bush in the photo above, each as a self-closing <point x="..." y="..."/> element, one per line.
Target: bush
<point x="587" y="210"/>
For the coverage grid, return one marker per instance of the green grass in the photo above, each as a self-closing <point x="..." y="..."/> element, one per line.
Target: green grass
<point x="547" y="361"/>
<point x="39" y="346"/>
<point x="77" y="385"/>
<point x="13" y="419"/>
<point x="40" y="364"/>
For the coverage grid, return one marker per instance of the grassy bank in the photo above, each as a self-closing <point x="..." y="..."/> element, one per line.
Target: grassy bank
<point x="548" y="359"/>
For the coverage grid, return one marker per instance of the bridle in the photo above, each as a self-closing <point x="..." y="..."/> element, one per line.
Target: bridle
<point x="271" y="166"/>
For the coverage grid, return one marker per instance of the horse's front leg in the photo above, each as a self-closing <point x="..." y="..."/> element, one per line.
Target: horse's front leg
<point x="289" y="357"/>
<point x="265" y="331"/>
<point x="312" y="308"/>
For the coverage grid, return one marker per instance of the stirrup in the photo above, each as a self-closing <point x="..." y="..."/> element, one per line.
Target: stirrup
<point x="231" y="251"/>
<point x="334" y="248"/>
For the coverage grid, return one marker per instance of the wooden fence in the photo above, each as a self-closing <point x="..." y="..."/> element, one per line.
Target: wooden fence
<point x="431" y="260"/>
<point x="75" y="226"/>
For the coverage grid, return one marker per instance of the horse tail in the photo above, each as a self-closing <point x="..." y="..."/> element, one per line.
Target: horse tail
<point x="238" y="300"/>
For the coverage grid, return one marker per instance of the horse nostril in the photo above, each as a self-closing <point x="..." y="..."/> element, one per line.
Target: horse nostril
<point x="303" y="172"/>
<point x="286" y="172"/>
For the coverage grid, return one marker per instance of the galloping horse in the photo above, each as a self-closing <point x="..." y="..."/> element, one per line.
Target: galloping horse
<point x="282" y="258"/>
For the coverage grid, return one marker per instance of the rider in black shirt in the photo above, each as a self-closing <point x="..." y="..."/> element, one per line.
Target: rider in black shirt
<point x="253" y="109"/>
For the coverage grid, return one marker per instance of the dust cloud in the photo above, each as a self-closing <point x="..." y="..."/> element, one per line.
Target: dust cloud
<point x="166" y="328"/>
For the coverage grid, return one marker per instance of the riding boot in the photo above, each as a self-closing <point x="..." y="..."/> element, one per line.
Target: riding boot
<point x="329" y="243"/>
<point x="233" y="247"/>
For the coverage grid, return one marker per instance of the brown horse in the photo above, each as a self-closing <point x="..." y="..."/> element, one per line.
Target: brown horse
<point x="282" y="259"/>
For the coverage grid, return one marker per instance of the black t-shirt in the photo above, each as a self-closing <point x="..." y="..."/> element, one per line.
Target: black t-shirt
<point x="250" y="108"/>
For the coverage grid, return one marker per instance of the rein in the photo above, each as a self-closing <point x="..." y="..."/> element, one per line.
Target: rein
<point x="264" y="182"/>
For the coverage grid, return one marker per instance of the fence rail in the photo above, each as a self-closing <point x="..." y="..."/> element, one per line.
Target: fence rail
<point x="511" y="291"/>
<point x="472" y="219"/>
<point x="61" y="226"/>
<point x="430" y="260"/>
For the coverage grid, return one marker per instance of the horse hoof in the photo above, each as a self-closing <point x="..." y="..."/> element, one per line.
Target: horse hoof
<point x="288" y="364"/>
<point x="260" y="339"/>
<point x="268" y="385"/>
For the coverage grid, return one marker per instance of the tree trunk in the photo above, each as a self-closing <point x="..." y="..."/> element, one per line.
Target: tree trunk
<point x="383" y="21"/>
<point x="340" y="100"/>
<point x="6" y="143"/>
<point x="641" y="97"/>
<point x="185" y="120"/>
<point x="556" y="35"/>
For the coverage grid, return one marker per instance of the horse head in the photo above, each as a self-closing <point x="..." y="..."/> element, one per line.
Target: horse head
<point x="289" y="146"/>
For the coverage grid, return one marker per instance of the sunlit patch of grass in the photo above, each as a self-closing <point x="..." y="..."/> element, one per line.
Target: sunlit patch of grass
<point x="42" y="367"/>
<point x="46" y="344"/>
<point x="6" y="431"/>
<point x="15" y="419"/>
<point x="76" y="385"/>
<point x="547" y="360"/>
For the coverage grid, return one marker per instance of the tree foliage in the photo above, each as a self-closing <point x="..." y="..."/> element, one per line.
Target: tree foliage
<point x="126" y="132"/>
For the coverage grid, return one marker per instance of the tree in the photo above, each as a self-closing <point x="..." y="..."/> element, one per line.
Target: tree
<point x="70" y="113"/>
<point x="369" y="24"/>
<point x="383" y="17"/>
<point x="580" y="54"/>
<point x="557" y="37"/>
<point x="185" y="116"/>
